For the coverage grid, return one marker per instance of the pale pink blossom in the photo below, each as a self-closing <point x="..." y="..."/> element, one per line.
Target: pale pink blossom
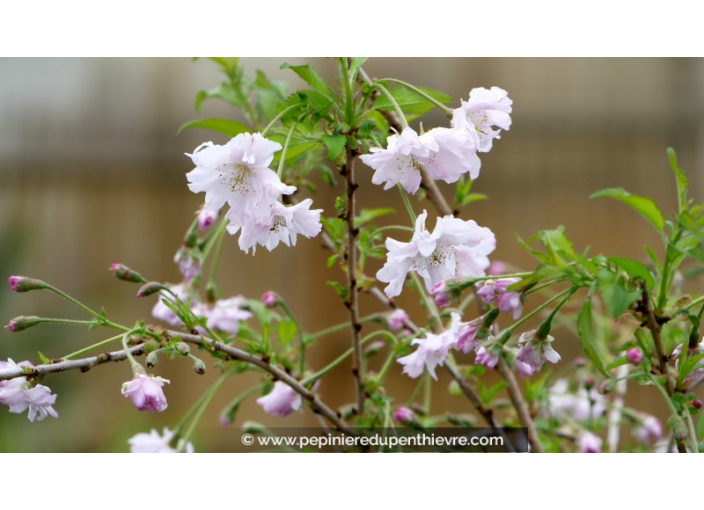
<point x="496" y="292"/>
<point x="278" y="223"/>
<point x="648" y="431"/>
<point x="281" y="400"/>
<point x="533" y="352"/>
<point x="397" y="319"/>
<point x="432" y="350"/>
<point x="485" y="109"/>
<point x="442" y="298"/>
<point x="227" y="314"/>
<point x="580" y="405"/>
<point x="487" y="358"/>
<point x="189" y="262"/>
<point x="453" y="153"/>
<point x="146" y="393"/>
<point x="467" y="340"/>
<point x="435" y="256"/>
<point x="20" y="395"/>
<point x="237" y="174"/>
<point x="153" y="442"/>
<point x="588" y="442"/>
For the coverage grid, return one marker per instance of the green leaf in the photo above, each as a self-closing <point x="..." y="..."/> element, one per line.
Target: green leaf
<point x="413" y="104"/>
<point x="319" y="103"/>
<point x="335" y="144"/>
<point x="44" y="359"/>
<point x="645" y="206"/>
<point x="367" y="215"/>
<point x="617" y="297"/>
<point x="332" y="259"/>
<point x="682" y="180"/>
<point x="590" y="345"/>
<point x="473" y="197"/>
<point x="634" y="269"/>
<point x="287" y="331"/>
<point x="226" y="126"/>
<point x="357" y="62"/>
<point x="558" y="244"/>
<point x="310" y="76"/>
<point x="225" y="91"/>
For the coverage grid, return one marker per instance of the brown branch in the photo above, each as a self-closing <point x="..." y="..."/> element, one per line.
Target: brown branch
<point x="352" y="303"/>
<point x="521" y="407"/>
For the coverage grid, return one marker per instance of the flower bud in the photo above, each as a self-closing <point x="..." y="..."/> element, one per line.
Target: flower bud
<point x="206" y="218"/>
<point x="269" y="299"/>
<point x="198" y="366"/>
<point x="252" y="427"/>
<point x="635" y="356"/>
<point x="397" y="319"/>
<point x="442" y="297"/>
<point x="589" y="382"/>
<point x="403" y="415"/>
<point x="183" y="348"/>
<point x="374" y="348"/>
<point x="697" y="404"/>
<point x="24" y="284"/>
<point x="150" y="288"/>
<point x="152" y="359"/>
<point x="126" y="274"/>
<point x="21" y="323"/>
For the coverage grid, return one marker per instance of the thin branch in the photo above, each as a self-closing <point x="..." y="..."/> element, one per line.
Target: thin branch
<point x="519" y="403"/>
<point x="352" y="302"/>
<point x="655" y="329"/>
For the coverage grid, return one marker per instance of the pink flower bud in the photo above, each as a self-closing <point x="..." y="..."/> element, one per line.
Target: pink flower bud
<point x="635" y="356"/>
<point x="22" y="322"/>
<point x="588" y="442"/>
<point x="146" y="393"/>
<point x="403" y="415"/>
<point x="397" y="319"/>
<point x="206" y="218"/>
<point x="124" y="273"/>
<point x="442" y="298"/>
<point x="269" y="299"/>
<point x="697" y="403"/>
<point x="486" y="358"/>
<point x="24" y="284"/>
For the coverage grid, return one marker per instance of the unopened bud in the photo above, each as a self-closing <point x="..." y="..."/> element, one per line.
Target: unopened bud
<point x="20" y="323"/>
<point x="150" y="288"/>
<point x="697" y="404"/>
<point x="206" y="218"/>
<point x="183" y="348"/>
<point x="589" y="382"/>
<point x="635" y="356"/>
<point x="152" y="359"/>
<point x="124" y="273"/>
<point x="374" y="348"/>
<point x="269" y="299"/>
<point x="605" y="387"/>
<point x="198" y="366"/>
<point x="403" y="415"/>
<point x="454" y="389"/>
<point x="442" y="298"/>
<point x="252" y="427"/>
<point x="24" y="284"/>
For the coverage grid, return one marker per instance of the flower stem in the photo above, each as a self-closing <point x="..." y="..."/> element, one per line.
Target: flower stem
<point x="539" y="309"/>
<point x="397" y="108"/>
<point x="340" y="327"/>
<point x="74" y="301"/>
<point x="276" y="119"/>
<point x="280" y="171"/>
<point x="94" y="346"/>
<point x="407" y="203"/>
<point x="200" y="408"/>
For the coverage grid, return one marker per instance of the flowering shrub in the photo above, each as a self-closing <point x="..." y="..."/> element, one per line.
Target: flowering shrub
<point x="634" y="324"/>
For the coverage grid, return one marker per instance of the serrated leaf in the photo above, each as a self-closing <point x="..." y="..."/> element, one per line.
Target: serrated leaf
<point x="587" y="337"/>
<point x="225" y="126"/>
<point x="225" y="91"/>
<point x="682" y="180"/>
<point x="634" y="269"/>
<point x="367" y="215"/>
<point x="644" y="206"/>
<point x="412" y="103"/>
<point x="310" y="76"/>
<point x="335" y="144"/>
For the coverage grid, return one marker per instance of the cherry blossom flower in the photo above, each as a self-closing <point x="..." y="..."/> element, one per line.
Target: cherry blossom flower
<point x="19" y="394"/>
<point x="397" y="319"/>
<point x="189" y="262"/>
<point x="486" y="108"/>
<point x="445" y="153"/>
<point x="432" y="350"/>
<point x="153" y="442"/>
<point x="400" y="161"/>
<point x="441" y="296"/>
<point x="146" y="393"/>
<point x="451" y="248"/>
<point x="496" y="292"/>
<point x="579" y="405"/>
<point x="237" y="174"/>
<point x="279" y="223"/>
<point x="227" y="314"/>
<point x="649" y="430"/>
<point x="467" y="340"/>
<point x="487" y="358"/>
<point x="403" y="415"/>
<point x="534" y="351"/>
<point x="588" y="442"/>
<point x="281" y="400"/>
